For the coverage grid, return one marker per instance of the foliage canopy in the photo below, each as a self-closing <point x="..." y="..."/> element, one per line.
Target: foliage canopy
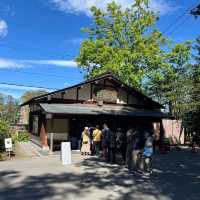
<point x="125" y="42"/>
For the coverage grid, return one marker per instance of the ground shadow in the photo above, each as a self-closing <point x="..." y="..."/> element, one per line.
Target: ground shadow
<point x="176" y="176"/>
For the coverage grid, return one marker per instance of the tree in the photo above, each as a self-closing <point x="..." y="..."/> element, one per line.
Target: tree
<point x="193" y="112"/>
<point x="31" y="94"/>
<point x="125" y="42"/>
<point x="9" y="108"/>
<point x="5" y="131"/>
<point x="169" y="84"/>
<point x="26" y="97"/>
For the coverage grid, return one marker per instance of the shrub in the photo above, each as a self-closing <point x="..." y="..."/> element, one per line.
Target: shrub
<point x="23" y="136"/>
<point x="5" y="131"/>
<point x="2" y="156"/>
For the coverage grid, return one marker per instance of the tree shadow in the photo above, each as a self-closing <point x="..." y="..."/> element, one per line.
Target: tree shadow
<point x="176" y="176"/>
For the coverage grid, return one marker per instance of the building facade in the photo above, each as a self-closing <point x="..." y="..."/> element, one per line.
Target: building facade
<point x="61" y="115"/>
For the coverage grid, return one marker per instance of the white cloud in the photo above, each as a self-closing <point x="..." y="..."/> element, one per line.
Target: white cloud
<point x="10" y="63"/>
<point x="3" y="28"/>
<point x="83" y="6"/>
<point x="60" y="63"/>
<point x="19" y="87"/>
<point x="14" y="63"/>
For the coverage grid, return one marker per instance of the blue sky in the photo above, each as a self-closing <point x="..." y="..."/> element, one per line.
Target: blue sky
<point x="43" y="37"/>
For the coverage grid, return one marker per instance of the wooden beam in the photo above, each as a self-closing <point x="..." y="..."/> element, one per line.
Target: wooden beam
<point x="77" y="93"/>
<point x="105" y="86"/>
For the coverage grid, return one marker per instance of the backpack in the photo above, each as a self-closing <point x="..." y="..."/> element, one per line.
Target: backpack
<point x="148" y="151"/>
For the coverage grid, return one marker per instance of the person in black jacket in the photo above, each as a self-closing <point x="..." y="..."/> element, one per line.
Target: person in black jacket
<point x="111" y="146"/>
<point x="121" y="143"/>
<point x="105" y="141"/>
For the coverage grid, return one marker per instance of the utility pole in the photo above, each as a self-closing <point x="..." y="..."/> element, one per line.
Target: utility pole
<point x="195" y="11"/>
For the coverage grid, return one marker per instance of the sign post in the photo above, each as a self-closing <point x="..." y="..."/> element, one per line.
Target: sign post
<point x="8" y="145"/>
<point x="66" y="153"/>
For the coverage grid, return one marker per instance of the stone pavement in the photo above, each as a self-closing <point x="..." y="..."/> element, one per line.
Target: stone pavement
<point x="176" y="177"/>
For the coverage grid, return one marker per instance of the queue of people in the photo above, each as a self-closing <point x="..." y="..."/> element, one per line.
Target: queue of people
<point x="135" y="146"/>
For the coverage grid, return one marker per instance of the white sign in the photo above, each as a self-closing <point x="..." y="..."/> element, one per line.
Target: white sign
<point x="66" y="157"/>
<point x="8" y="143"/>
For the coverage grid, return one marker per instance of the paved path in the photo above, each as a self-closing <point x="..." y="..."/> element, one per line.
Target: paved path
<point x="176" y="177"/>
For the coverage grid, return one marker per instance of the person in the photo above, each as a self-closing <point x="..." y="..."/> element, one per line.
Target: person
<point x="105" y="141"/>
<point x="91" y="129"/>
<point x="138" y="145"/>
<point x="148" y="153"/>
<point x="121" y="143"/>
<point x="85" y="148"/>
<point x="97" y="134"/>
<point x="129" y="151"/>
<point x="111" y="146"/>
<point x="194" y="142"/>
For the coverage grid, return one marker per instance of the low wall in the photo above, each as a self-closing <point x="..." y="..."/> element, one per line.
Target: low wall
<point x="174" y="131"/>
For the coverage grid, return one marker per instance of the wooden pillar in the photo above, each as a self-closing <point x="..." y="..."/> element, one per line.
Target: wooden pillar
<point x="43" y="136"/>
<point x="30" y="122"/>
<point x="91" y="91"/>
<point x="162" y="137"/>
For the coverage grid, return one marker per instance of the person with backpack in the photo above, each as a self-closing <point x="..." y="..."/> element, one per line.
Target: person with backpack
<point x="97" y="134"/>
<point x="148" y="153"/>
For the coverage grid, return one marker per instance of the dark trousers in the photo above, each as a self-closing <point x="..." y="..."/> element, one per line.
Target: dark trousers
<point x="123" y="153"/>
<point x="105" y="152"/>
<point x="111" y="154"/>
<point x="97" y="147"/>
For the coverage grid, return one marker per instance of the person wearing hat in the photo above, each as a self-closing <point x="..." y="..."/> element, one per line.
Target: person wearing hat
<point x="85" y="149"/>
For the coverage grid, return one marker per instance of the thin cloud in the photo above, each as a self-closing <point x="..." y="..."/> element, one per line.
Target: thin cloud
<point x="60" y="63"/>
<point x="16" y="63"/>
<point x="10" y="63"/>
<point x="23" y="88"/>
<point x="83" y="6"/>
<point x="3" y="28"/>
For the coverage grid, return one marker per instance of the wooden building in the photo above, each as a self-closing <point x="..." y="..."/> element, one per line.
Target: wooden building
<point x="61" y="115"/>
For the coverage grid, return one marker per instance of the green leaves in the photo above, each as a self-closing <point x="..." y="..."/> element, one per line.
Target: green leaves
<point x="122" y="41"/>
<point x="128" y="43"/>
<point x="5" y="131"/>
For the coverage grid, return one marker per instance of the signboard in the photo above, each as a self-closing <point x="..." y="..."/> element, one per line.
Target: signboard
<point x="66" y="153"/>
<point x="107" y="96"/>
<point x="8" y="143"/>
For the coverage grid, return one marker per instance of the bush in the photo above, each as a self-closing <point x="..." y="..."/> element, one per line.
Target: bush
<point x="5" y="131"/>
<point x="23" y="136"/>
<point x="2" y="157"/>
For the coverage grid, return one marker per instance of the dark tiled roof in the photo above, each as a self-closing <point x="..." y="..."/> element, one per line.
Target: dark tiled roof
<point x="89" y="109"/>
